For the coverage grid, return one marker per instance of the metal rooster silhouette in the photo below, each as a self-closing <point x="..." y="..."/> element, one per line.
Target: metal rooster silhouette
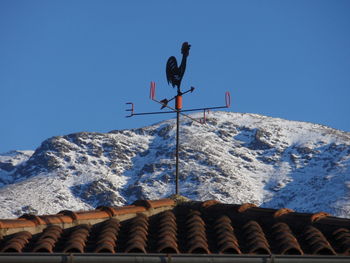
<point x="174" y="73"/>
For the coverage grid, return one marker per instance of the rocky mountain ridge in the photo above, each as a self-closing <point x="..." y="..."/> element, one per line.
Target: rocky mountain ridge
<point x="235" y="158"/>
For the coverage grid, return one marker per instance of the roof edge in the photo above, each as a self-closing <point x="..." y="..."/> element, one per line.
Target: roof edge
<point x="67" y="218"/>
<point x="216" y="258"/>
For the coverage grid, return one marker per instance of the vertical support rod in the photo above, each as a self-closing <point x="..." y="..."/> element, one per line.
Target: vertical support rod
<point x="177" y="151"/>
<point x="178" y="107"/>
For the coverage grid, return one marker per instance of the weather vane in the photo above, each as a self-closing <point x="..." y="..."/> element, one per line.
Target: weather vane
<point x="174" y="74"/>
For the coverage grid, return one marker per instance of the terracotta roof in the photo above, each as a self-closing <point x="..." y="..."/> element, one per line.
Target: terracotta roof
<point x="161" y="226"/>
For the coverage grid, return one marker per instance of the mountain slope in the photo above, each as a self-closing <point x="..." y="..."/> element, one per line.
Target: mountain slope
<point x="235" y="158"/>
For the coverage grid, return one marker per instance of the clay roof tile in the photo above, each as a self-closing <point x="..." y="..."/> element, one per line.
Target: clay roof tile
<point x="282" y="211"/>
<point x="16" y="223"/>
<point x="244" y="207"/>
<point x="317" y="216"/>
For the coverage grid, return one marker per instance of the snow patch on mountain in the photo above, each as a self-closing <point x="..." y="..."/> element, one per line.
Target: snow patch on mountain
<point x="234" y="158"/>
<point x="9" y="162"/>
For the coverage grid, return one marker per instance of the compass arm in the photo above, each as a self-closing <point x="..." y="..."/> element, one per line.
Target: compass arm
<point x="151" y="113"/>
<point x="183" y="114"/>
<point x="208" y="108"/>
<point x="187" y="91"/>
<point x="131" y="109"/>
<point x="227" y="101"/>
<point x="132" y="113"/>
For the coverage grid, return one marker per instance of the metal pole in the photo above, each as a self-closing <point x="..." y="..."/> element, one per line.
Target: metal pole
<point x="177" y="151"/>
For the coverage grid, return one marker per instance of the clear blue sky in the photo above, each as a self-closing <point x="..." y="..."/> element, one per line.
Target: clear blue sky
<point x="70" y="66"/>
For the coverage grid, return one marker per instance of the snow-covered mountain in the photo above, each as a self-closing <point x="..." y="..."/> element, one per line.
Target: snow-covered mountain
<point x="234" y="158"/>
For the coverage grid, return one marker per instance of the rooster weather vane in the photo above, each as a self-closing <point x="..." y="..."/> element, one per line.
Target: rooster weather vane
<point x="174" y="74"/>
